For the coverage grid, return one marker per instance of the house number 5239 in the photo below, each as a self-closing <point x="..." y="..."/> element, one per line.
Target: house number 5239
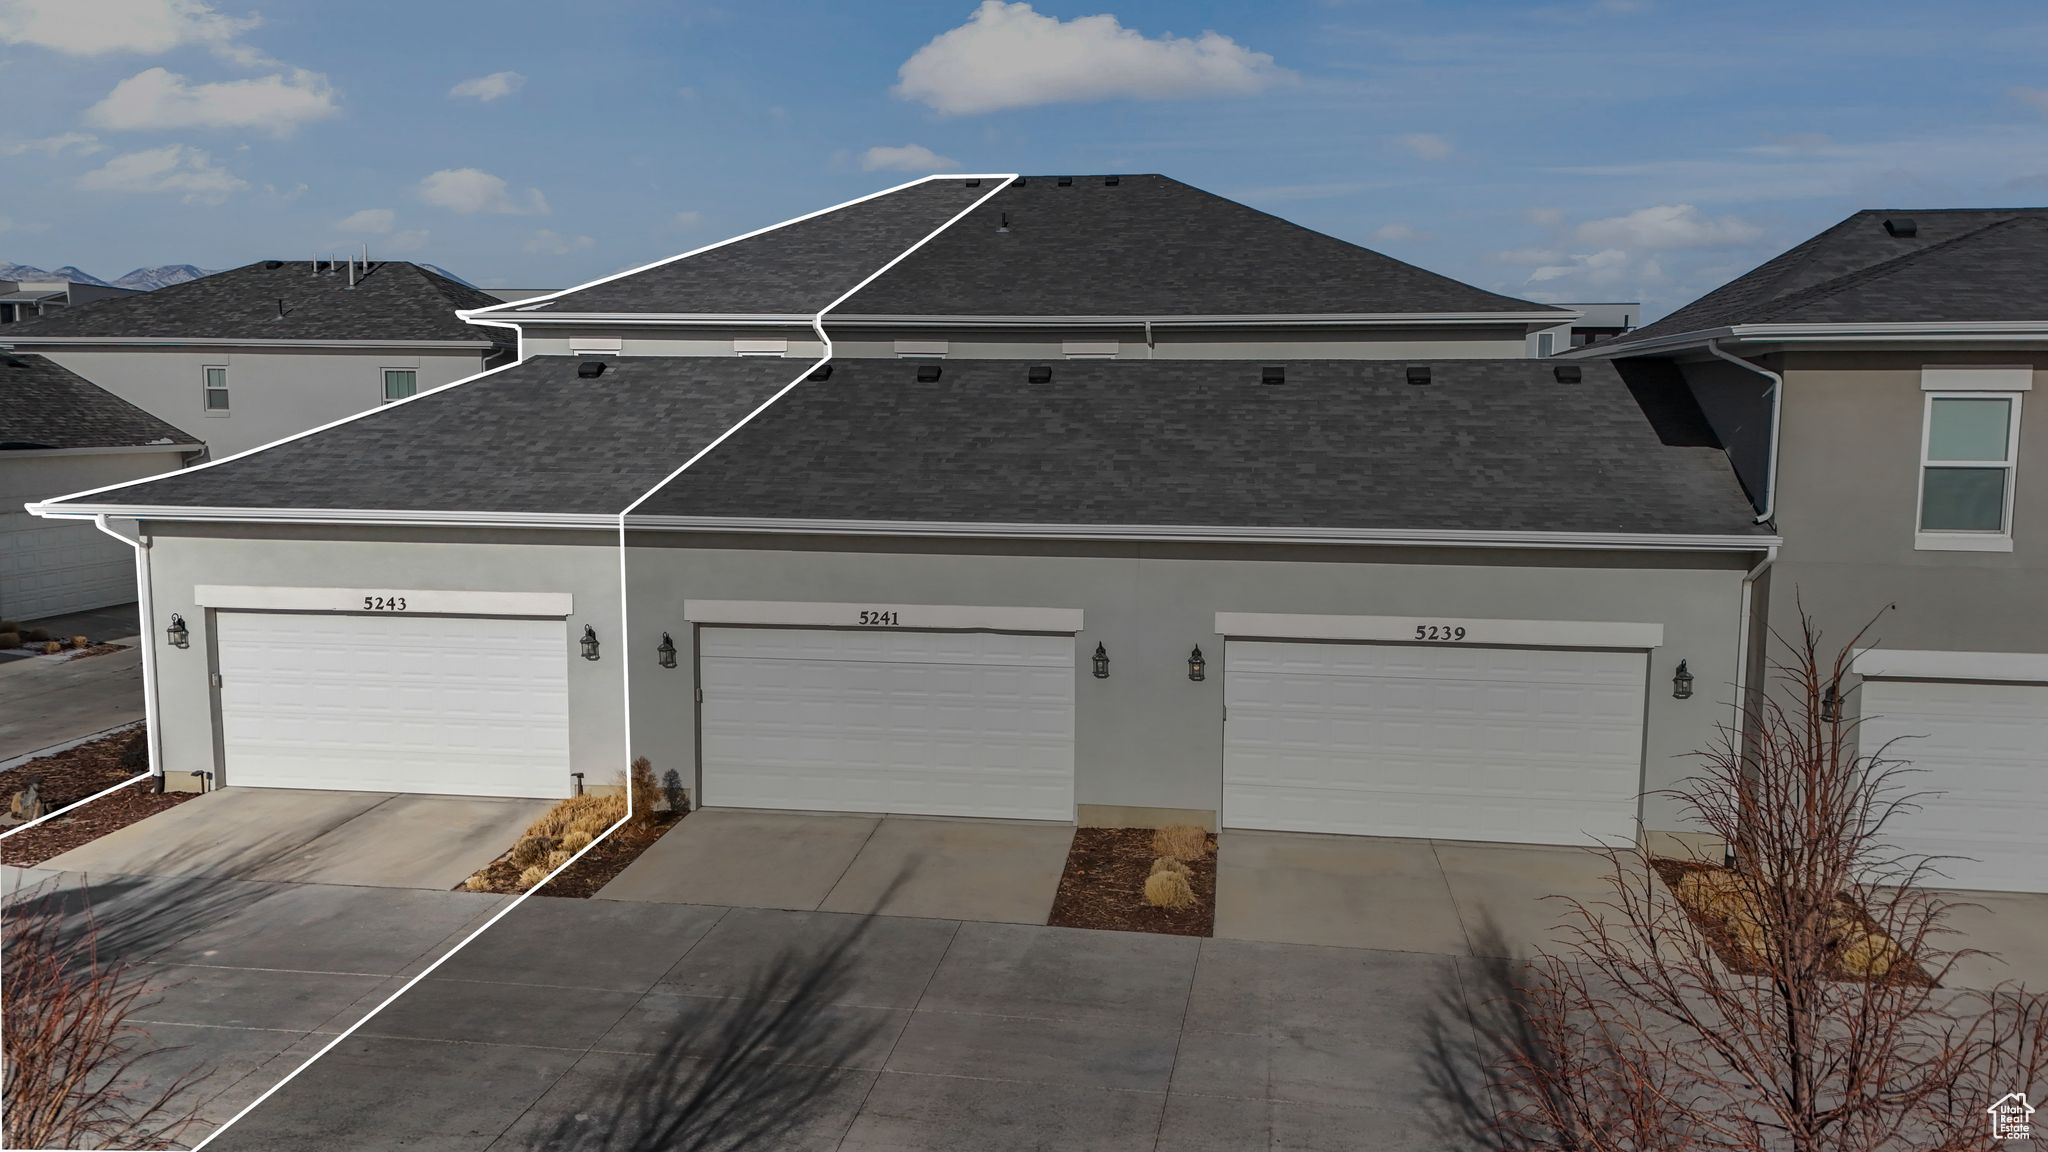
<point x="1439" y="632"/>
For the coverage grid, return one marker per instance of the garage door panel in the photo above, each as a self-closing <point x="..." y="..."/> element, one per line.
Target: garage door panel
<point x="939" y="723"/>
<point x="1401" y="740"/>
<point x="458" y="705"/>
<point x="1980" y="751"/>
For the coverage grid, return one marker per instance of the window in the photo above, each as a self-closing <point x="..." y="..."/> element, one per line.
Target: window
<point x="1968" y="448"/>
<point x="400" y="383"/>
<point x="216" y="395"/>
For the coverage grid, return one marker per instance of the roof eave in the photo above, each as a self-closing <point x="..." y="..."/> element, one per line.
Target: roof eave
<point x="11" y="340"/>
<point x="105" y="449"/>
<point x="1859" y="333"/>
<point x="1362" y="319"/>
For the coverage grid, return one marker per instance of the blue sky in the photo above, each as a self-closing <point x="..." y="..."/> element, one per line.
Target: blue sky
<point x="1583" y="150"/>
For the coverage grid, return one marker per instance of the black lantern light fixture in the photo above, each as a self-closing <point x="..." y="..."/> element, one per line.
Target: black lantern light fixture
<point x="667" y="652"/>
<point x="1101" y="662"/>
<point x="1198" y="668"/>
<point x="589" y="642"/>
<point x="1681" y="683"/>
<point x="177" y="634"/>
<point x="1830" y="705"/>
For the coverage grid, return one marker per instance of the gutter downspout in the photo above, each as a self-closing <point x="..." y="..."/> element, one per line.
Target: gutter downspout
<point x="1742" y="685"/>
<point x="146" y="610"/>
<point x="1770" y="508"/>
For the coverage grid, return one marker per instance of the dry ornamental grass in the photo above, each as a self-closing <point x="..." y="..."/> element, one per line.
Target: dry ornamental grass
<point x="1168" y="888"/>
<point x="1181" y="841"/>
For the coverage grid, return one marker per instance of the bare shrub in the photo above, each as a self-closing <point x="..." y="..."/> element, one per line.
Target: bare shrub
<point x="575" y="840"/>
<point x="71" y="1052"/>
<point x="1183" y="841"/>
<point x="532" y="874"/>
<point x="1169" y="889"/>
<point x="1635" y="1037"/>
<point x="529" y="849"/>
<point x="646" y="790"/>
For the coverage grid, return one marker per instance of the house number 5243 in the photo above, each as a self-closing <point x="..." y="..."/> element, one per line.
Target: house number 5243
<point x="383" y="603"/>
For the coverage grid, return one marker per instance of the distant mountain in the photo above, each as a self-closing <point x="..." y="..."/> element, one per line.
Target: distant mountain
<point x="142" y="279"/>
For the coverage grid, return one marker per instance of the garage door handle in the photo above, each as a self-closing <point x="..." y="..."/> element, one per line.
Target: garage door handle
<point x="214" y="679"/>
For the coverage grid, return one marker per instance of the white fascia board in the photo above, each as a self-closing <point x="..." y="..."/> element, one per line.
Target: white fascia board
<point x="2028" y="331"/>
<point x="882" y="616"/>
<point x="233" y="342"/>
<point x="65" y="511"/>
<point x="1446" y="631"/>
<point x="1909" y="664"/>
<point x="384" y="601"/>
<point x="1383" y="320"/>
<point x="117" y="450"/>
<point x="1206" y="534"/>
<point x="1977" y="378"/>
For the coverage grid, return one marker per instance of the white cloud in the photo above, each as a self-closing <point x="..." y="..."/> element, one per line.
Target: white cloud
<point x="1529" y="256"/>
<point x="1668" y="226"/>
<point x="1425" y="145"/>
<point x="549" y="243"/>
<point x="687" y="218"/>
<point x="475" y="190"/>
<point x="1398" y="233"/>
<point x="908" y="158"/>
<point x="411" y="240"/>
<point x="373" y="220"/>
<point x="496" y="86"/>
<point x="1606" y="269"/>
<point x="1546" y="217"/>
<point x="2035" y="98"/>
<point x="103" y="27"/>
<point x="83" y="143"/>
<point x="1010" y="56"/>
<point x="172" y="168"/>
<point x="156" y="99"/>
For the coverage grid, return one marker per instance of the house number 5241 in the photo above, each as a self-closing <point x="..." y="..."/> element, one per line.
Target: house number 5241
<point x="880" y="619"/>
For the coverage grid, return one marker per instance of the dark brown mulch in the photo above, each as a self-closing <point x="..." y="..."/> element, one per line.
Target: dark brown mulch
<point x="1104" y="886"/>
<point x="1739" y="960"/>
<point x="72" y="775"/>
<point x="594" y="869"/>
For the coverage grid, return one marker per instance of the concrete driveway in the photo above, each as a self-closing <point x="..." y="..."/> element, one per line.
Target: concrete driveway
<point x="308" y="836"/>
<point x="50" y="702"/>
<point x="993" y="870"/>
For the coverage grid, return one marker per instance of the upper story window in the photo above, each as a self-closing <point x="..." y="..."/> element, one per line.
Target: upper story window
<point x="400" y="383"/>
<point x="215" y="397"/>
<point x="1969" y="452"/>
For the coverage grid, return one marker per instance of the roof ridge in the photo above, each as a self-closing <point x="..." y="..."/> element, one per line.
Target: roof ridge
<point x="1846" y="281"/>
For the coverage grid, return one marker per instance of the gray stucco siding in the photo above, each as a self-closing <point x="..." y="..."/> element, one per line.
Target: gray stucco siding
<point x="1148" y="736"/>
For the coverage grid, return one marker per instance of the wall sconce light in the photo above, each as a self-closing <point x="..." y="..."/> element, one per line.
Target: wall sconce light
<point x="1830" y="705"/>
<point x="1198" y="668"/>
<point x="1681" y="683"/>
<point x="1101" y="662"/>
<point x="176" y="633"/>
<point x="667" y="652"/>
<point x="589" y="642"/>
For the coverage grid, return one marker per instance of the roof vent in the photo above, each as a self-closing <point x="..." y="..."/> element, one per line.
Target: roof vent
<point x="1038" y="374"/>
<point x="1273" y="374"/>
<point x="273" y="264"/>
<point x="1567" y="373"/>
<point x="1901" y="226"/>
<point x="1066" y="181"/>
<point x="590" y="370"/>
<point x="974" y="183"/>
<point x="926" y="373"/>
<point x="821" y="372"/>
<point x="7" y="361"/>
<point x="1004" y="227"/>
<point x="1418" y="373"/>
<point x="1111" y="181"/>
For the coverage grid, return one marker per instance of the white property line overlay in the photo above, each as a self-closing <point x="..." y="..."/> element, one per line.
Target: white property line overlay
<point x="626" y="665"/>
<point x="128" y="783"/>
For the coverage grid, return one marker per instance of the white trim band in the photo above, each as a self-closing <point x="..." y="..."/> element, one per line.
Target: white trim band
<point x="1449" y="631"/>
<point x="1973" y="378"/>
<point x="384" y="601"/>
<point x="881" y="616"/>
<point x="1908" y="664"/>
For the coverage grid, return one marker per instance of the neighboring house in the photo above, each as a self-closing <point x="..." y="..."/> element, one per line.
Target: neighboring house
<point x="260" y="352"/>
<point x="59" y="433"/>
<point x="1602" y="321"/>
<point x="1897" y="462"/>
<point x="1117" y="503"/>
<point x="23" y="300"/>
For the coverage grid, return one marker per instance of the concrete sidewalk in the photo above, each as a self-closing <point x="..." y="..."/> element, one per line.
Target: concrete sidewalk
<point x="48" y="701"/>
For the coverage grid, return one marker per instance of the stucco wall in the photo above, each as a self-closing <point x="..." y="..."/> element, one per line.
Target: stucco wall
<point x="1737" y="402"/>
<point x="54" y="566"/>
<point x="582" y="564"/>
<point x="1148" y="736"/>
<point x="1847" y="498"/>
<point x="272" y="393"/>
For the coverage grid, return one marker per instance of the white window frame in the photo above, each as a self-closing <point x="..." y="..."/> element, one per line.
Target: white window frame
<point x="1954" y="540"/>
<point x="384" y="384"/>
<point x="206" y="390"/>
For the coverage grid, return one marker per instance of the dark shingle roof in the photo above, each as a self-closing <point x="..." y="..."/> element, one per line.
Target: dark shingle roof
<point x="1151" y="246"/>
<point x="1487" y="445"/>
<point x="393" y="300"/>
<point x="796" y="269"/>
<point x="1961" y="264"/>
<point x="45" y="406"/>
<point x="532" y="437"/>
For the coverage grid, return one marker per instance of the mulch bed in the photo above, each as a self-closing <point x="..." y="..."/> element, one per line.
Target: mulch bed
<point x="97" y="650"/>
<point x="72" y="775"/>
<point x="1103" y="886"/>
<point x="594" y="869"/>
<point x="1739" y="960"/>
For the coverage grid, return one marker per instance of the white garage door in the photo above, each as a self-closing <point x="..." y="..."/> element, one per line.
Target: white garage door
<point x="936" y="723"/>
<point x="1984" y="749"/>
<point x="1532" y="745"/>
<point x="458" y="705"/>
<point x="49" y="567"/>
